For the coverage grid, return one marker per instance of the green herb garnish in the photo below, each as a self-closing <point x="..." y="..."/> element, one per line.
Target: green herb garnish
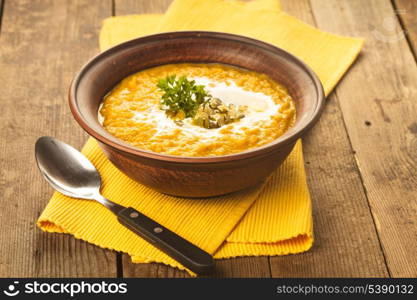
<point x="181" y="96"/>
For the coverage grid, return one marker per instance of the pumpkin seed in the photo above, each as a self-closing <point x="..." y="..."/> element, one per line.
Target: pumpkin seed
<point x="214" y="113"/>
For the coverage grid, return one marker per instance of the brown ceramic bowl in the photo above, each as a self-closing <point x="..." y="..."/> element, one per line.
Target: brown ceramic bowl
<point x="195" y="176"/>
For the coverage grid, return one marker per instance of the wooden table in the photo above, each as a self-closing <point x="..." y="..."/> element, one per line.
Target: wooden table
<point x="361" y="158"/>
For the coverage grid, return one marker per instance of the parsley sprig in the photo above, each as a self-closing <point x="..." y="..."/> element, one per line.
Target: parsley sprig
<point x="181" y="95"/>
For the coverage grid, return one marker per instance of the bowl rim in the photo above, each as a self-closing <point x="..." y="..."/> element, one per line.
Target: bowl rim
<point x="122" y="146"/>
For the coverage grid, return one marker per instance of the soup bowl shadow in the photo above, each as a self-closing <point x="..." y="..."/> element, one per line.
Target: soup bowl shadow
<point x="195" y="176"/>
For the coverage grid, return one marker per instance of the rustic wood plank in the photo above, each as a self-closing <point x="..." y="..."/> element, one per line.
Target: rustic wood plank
<point x="129" y="7"/>
<point x="379" y="109"/>
<point x="406" y="11"/>
<point x="243" y="267"/>
<point x="151" y="270"/>
<point x="237" y="267"/>
<point x="43" y="44"/>
<point x="346" y="243"/>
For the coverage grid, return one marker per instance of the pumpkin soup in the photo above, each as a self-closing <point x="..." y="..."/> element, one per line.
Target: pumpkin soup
<point x="197" y="110"/>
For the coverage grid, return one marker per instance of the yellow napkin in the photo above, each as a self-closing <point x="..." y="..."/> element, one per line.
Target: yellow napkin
<point x="274" y="218"/>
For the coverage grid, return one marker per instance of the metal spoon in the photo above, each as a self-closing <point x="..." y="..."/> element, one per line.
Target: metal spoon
<point x="72" y="174"/>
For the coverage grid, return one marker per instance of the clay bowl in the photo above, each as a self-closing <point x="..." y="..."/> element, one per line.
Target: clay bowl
<point x="195" y="176"/>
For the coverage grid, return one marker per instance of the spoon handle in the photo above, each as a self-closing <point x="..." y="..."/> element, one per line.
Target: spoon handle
<point x="186" y="253"/>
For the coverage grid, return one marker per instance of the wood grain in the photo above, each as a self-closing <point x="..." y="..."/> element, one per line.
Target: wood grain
<point x="406" y="11"/>
<point x="241" y="267"/>
<point x="346" y="243"/>
<point x="129" y="7"/>
<point x="43" y="45"/>
<point x="377" y="99"/>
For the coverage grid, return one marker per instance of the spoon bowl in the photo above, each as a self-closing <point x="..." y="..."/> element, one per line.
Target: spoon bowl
<point x="76" y="176"/>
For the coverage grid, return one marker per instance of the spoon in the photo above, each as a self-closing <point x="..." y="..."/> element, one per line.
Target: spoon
<point x="72" y="174"/>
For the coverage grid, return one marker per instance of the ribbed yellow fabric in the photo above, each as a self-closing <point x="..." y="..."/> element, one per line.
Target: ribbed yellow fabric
<point x="274" y="218"/>
<point x="119" y="29"/>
